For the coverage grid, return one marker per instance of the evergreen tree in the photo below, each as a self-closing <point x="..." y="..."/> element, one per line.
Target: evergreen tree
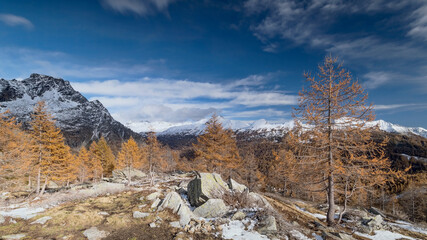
<point x="216" y="149"/>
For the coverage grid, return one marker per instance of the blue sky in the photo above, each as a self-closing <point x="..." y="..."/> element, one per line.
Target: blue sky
<point x="177" y="60"/>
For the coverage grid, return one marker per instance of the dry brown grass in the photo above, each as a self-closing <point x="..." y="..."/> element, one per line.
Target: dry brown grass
<point x="71" y="219"/>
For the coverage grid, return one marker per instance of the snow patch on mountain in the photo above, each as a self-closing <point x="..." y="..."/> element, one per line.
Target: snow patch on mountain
<point x="196" y="128"/>
<point x="80" y="120"/>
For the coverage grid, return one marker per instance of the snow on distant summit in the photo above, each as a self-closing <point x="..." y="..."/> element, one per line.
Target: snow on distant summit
<point x="196" y="128"/>
<point x="395" y="128"/>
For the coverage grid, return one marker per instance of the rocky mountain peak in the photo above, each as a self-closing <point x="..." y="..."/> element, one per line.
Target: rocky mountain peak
<point x="80" y="120"/>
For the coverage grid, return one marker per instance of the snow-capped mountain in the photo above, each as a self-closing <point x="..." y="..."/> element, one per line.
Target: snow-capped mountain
<point x="197" y="128"/>
<point x="79" y="119"/>
<point x="395" y="128"/>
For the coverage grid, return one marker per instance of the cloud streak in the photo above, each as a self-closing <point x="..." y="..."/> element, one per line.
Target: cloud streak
<point x="22" y="62"/>
<point x="138" y="7"/>
<point x="14" y="20"/>
<point x="159" y="99"/>
<point x="308" y="23"/>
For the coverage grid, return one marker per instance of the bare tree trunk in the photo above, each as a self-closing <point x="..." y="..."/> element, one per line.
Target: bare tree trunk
<point x="29" y="182"/>
<point x="345" y="202"/>
<point x="38" y="181"/>
<point x="129" y="176"/>
<point x="331" y="208"/>
<point x="44" y="187"/>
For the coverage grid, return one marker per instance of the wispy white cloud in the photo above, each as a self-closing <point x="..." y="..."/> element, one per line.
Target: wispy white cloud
<point x="21" y="62"/>
<point x="391" y="106"/>
<point x="138" y="7"/>
<point x="173" y="100"/>
<point x="307" y="22"/>
<point x="405" y="106"/>
<point x="376" y="79"/>
<point x="14" y="20"/>
<point x="419" y="23"/>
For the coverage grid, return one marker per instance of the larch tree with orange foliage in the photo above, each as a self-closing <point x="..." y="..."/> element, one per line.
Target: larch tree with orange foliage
<point x="130" y="156"/>
<point x="52" y="159"/>
<point x="106" y="156"/>
<point x="154" y="154"/>
<point x="83" y="164"/>
<point x="95" y="164"/>
<point x="216" y="149"/>
<point x="331" y="140"/>
<point x="14" y="153"/>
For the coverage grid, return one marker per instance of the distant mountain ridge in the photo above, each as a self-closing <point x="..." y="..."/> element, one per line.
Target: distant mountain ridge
<point x="80" y="120"/>
<point x="197" y="128"/>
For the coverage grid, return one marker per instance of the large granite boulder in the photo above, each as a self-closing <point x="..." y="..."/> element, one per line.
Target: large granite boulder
<point x="236" y="187"/>
<point x="174" y="202"/>
<point x="124" y="173"/>
<point x="257" y="200"/>
<point x="204" y="187"/>
<point x="211" y="209"/>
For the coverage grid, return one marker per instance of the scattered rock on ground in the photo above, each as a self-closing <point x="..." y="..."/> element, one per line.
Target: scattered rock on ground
<point x="175" y="224"/>
<point x="375" y="222"/>
<point x="174" y="202"/>
<point x="212" y="208"/>
<point x="239" y="215"/>
<point x="153" y="196"/>
<point x="153" y="225"/>
<point x="42" y="220"/>
<point x="235" y="186"/>
<point x="156" y="203"/>
<point x="257" y="200"/>
<point x="2" y="220"/>
<point x="204" y="187"/>
<point x="94" y="234"/>
<point x="13" y="236"/>
<point x="138" y="214"/>
<point x="267" y="225"/>
<point x="355" y="215"/>
<point x="103" y="213"/>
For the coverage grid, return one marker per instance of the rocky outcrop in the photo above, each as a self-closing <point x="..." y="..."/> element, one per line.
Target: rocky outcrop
<point x="204" y="187"/>
<point x="153" y="196"/>
<point x="174" y="202"/>
<point x="236" y="187"/>
<point x="211" y="209"/>
<point x="124" y="174"/>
